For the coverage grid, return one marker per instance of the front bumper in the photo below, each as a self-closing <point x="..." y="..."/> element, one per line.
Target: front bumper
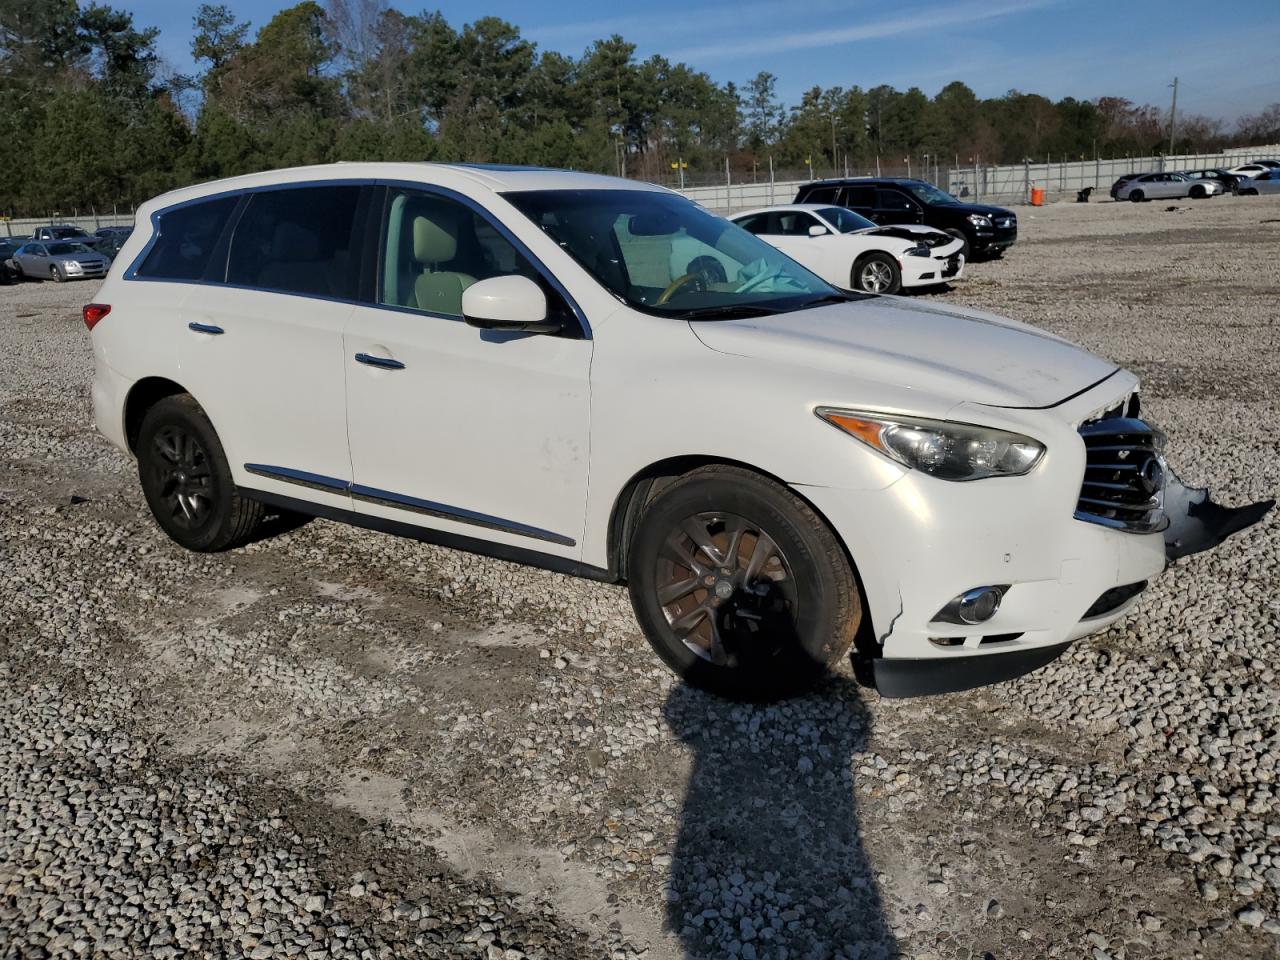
<point x="946" y="264"/>
<point x="920" y="542"/>
<point x="986" y="239"/>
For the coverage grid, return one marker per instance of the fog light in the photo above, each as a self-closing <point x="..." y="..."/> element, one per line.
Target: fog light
<point x="973" y="606"/>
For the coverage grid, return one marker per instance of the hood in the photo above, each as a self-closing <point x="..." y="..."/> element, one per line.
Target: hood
<point x="914" y="232"/>
<point x="955" y="354"/>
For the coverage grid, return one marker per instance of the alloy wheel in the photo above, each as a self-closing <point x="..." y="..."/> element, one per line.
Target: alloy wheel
<point x="726" y="589"/>
<point x="183" y="476"/>
<point x="876" y="277"/>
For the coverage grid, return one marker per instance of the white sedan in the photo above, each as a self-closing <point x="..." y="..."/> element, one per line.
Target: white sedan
<point x="1256" y="168"/>
<point x="851" y="252"/>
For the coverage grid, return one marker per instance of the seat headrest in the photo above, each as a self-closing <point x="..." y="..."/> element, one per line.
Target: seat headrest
<point x="292" y="242"/>
<point x="435" y="238"/>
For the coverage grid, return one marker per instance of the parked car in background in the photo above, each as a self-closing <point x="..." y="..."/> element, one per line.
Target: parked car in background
<point x="850" y="252"/>
<point x="1230" y="181"/>
<point x="8" y="270"/>
<point x="1164" y="186"/>
<point x="780" y="471"/>
<point x="64" y="231"/>
<point x="59" y="260"/>
<point x="1121" y="181"/>
<point x="1254" y="168"/>
<point x="1268" y="182"/>
<point x="109" y="244"/>
<point x="985" y="230"/>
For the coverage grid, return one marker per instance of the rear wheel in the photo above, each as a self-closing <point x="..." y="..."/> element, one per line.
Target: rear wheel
<point x="1137" y="196"/>
<point x="740" y="587"/>
<point x="877" y="273"/>
<point x="187" y="481"/>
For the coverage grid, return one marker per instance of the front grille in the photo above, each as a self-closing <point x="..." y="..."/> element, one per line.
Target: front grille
<point x="1123" y="485"/>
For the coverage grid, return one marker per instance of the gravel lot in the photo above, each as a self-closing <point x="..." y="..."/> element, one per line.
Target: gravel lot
<point x="333" y="743"/>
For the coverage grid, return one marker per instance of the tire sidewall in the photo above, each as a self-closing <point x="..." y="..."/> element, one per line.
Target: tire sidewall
<point x="820" y="609"/>
<point x="183" y="412"/>
<point x="895" y="283"/>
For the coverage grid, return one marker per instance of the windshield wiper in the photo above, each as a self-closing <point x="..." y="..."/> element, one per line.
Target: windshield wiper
<point x="828" y="298"/>
<point x="727" y="311"/>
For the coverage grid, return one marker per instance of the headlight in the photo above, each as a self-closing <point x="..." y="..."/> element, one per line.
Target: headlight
<point x="920" y="250"/>
<point x="978" y="220"/>
<point x="940" y="448"/>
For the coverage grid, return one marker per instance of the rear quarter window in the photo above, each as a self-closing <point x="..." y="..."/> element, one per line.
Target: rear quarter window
<point x="186" y="239"/>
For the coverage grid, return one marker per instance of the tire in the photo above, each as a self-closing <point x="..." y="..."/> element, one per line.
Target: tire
<point x="765" y="643"/>
<point x="187" y="481"/>
<point x="56" y="274"/>
<point x="959" y="235"/>
<point x="1249" y="192"/>
<point x="1137" y="196"/>
<point x="876" y="273"/>
<point x="1198" y="192"/>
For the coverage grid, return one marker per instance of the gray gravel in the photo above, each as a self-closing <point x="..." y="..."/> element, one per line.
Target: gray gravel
<point x="336" y="743"/>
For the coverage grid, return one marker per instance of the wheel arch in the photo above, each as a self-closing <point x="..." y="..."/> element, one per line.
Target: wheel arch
<point x="143" y="395"/>
<point x="651" y="480"/>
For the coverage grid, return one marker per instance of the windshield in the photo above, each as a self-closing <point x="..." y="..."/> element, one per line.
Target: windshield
<point x="58" y="249"/>
<point x="62" y="233"/>
<point x="845" y="221"/>
<point x="663" y="254"/>
<point x="931" y="194"/>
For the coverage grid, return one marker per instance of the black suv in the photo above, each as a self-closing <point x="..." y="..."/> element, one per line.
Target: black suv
<point x="986" y="231"/>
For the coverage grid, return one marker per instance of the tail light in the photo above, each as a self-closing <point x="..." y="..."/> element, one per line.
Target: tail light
<point x="93" y="312"/>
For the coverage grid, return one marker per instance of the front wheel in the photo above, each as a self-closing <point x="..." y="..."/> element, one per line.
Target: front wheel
<point x="56" y="274"/>
<point x="1137" y="196"/>
<point x="187" y="480"/>
<point x="877" y="273"/>
<point x="1249" y="192"/>
<point x="1198" y="193"/>
<point x="740" y="587"/>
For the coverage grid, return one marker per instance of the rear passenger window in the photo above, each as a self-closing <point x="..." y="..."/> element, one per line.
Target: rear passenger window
<point x="860" y="196"/>
<point x="186" y="238"/>
<point x="822" y="195"/>
<point x="297" y="241"/>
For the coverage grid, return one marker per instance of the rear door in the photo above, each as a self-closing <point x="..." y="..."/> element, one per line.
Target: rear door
<point x="262" y="340"/>
<point x="860" y="199"/>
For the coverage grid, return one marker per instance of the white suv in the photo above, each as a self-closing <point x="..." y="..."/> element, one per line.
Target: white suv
<point x="514" y="362"/>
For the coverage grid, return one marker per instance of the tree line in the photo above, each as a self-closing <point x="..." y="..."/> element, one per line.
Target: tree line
<point x="94" y="119"/>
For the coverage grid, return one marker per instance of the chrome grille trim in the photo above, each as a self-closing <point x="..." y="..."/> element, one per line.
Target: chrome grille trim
<point x="1124" y="475"/>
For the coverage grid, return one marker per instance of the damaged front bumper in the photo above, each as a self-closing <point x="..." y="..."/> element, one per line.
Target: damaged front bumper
<point x="1197" y="524"/>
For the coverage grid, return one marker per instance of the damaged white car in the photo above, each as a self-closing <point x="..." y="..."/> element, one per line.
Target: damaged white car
<point x="526" y="364"/>
<point x="851" y="252"/>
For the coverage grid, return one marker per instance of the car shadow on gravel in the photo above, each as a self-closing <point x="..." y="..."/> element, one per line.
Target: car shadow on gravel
<point x="768" y="861"/>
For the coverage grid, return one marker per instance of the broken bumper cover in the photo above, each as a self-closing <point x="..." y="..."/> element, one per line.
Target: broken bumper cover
<point x="1067" y="578"/>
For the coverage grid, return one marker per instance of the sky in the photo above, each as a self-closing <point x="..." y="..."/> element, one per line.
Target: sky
<point x="1225" y="57"/>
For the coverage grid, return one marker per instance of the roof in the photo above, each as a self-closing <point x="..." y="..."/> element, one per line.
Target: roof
<point x="463" y="177"/>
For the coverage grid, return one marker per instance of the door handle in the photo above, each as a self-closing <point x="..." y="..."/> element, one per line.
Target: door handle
<point x="386" y="363"/>
<point x="208" y="328"/>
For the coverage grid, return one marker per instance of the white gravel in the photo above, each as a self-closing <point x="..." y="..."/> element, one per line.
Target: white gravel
<point x="334" y="743"/>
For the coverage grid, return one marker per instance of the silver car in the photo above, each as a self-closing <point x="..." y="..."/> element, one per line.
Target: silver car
<point x="1163" y="186"/>
<point x="59" y="260"/>
<point x="1268" y="182"/>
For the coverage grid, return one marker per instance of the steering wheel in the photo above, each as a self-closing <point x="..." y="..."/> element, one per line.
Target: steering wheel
<point x="676" y="285"/>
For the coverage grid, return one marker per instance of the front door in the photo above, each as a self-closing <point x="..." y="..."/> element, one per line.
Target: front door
<point x="469" y="431"/>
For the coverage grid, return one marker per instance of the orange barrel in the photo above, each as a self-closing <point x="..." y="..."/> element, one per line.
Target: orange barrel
<point x="1037" y="196"/>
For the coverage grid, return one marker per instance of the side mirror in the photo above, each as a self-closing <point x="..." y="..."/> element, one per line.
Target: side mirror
<point x="817" y="231"/>
<point x="511" y="302"/>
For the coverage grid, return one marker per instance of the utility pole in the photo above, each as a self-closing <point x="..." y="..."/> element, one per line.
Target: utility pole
<point x="833" y="143"/>
<point x="1173" y="116"/>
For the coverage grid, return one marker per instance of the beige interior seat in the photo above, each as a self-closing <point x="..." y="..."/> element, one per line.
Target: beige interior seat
<point x="435" y="243"/>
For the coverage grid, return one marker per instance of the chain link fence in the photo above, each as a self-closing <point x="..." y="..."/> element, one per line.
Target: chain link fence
<point x="23" y="226"/>
<point x="1061" y="179"/>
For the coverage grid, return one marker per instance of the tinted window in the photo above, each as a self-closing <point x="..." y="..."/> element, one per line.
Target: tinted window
<point x="297" y="241"/>
<point x="436" y="248"/>
<point x="860" y="197"/>
<point x="822" y="195"/>
<point x="755" y="223"/>
<point x="794" y="224"/>
<point x="185" y="241"/>
<point x="892" y="200"/>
